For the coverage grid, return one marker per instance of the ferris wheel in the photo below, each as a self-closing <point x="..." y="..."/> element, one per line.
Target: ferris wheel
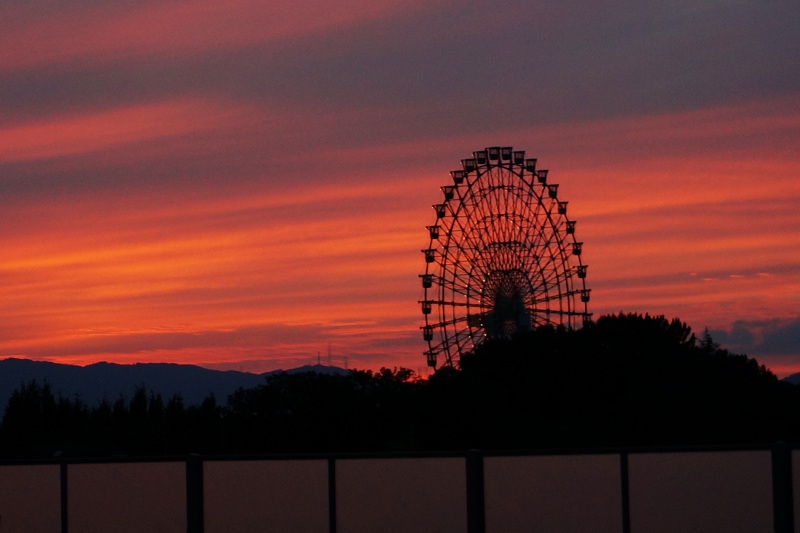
<point x="502" y="257"/>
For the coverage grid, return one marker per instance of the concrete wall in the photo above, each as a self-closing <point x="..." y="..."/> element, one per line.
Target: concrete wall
<point x="683" y="491"/>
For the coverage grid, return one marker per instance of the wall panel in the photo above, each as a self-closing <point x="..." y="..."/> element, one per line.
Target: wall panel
<point x="30" y="498"/>
<point x="701" y="492"/>
<point x="127" y="497"/>
<point x="405" y="495"/>
<point x="553" y="493"/>
<point x="266" y="496"/>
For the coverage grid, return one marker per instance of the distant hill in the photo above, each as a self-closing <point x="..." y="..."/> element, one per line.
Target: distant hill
<point x="99" y="381"/>
<point x="794" y="379"/>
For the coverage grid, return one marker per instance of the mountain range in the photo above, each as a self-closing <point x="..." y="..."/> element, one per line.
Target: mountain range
<point x="99" y="381"/>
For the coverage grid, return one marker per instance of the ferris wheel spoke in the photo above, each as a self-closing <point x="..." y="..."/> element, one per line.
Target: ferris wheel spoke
<point x="454" y="304"/>
<point x="451" y="322"/>
<point x="556" y="296"/>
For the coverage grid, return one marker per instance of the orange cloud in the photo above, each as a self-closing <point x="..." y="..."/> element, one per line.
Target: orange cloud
<point x="69" y="135"/>
<point x="212" y="271"/>
<point x="277" y="270"/>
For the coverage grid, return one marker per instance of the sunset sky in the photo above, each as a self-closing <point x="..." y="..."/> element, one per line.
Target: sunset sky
<point x="246" y="184"/>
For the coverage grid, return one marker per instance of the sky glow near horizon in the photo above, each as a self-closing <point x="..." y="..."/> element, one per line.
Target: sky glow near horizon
<point x="247" y="185"/>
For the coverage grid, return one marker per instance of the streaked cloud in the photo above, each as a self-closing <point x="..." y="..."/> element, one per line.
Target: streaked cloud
<point x="81" y="134"/>
<point x="99" y="33"/>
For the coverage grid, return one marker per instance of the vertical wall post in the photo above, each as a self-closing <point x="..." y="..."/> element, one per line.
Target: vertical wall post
<point x="194" y="494"/>
<point x="476" y="513"/>
<point x="625" y="492"/>
<point x="782" y="498"/>
<point x="332" y="494"/>
<point x="64" y="501"/>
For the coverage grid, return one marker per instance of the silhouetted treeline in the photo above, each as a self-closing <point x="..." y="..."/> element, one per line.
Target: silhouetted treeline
<point x="626" y="379"/>
<point x="36" y="422"/>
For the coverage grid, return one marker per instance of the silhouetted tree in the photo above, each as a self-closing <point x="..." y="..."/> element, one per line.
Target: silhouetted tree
<point x="319" y="412"/>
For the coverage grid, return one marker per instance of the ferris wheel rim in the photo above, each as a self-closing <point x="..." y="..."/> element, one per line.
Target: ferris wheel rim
<point x="542" y="266"/>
